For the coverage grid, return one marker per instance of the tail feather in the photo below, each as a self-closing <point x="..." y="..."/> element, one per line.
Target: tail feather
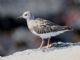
<point x="67" y="28"/>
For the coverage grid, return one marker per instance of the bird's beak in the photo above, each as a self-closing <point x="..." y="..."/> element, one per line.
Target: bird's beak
<point x="19" y="17"/>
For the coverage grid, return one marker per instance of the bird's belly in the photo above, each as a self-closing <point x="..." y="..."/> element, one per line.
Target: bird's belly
<point x="50" y="34"/>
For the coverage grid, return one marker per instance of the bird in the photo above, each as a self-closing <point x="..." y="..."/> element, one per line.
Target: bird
<point x="43" y="28"/>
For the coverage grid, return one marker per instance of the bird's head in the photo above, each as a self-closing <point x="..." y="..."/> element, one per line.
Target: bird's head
<point x="26" y="15"/>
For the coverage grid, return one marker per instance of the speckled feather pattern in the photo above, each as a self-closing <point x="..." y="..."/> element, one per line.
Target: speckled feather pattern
<point x="41" y="26"/>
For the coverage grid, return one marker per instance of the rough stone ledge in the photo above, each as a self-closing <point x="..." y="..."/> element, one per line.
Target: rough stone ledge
<point x="61" y="51"/>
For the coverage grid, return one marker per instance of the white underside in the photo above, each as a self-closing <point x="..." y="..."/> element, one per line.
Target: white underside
<point x="50" y="34"/>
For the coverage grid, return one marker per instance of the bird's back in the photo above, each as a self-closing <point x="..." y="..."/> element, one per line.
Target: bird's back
<point x="44" y="26"/>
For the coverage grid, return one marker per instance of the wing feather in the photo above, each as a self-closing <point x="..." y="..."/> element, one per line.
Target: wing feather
<point x="45" y="26"/>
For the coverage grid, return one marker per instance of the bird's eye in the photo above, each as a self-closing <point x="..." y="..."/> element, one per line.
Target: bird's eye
<point x="25" y="14"/>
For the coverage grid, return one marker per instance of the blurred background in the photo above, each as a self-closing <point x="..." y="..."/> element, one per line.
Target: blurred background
<point x="14" y="33"/>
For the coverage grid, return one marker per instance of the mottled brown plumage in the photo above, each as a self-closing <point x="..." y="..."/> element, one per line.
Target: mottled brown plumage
<point x="44" y="26"/>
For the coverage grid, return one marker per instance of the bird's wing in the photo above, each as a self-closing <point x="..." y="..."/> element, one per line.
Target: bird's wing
<point x="45" y="26"/>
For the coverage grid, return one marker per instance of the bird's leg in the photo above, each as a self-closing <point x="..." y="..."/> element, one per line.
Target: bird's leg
<point x="48" y="43"/>
<point x="42" y="43"/>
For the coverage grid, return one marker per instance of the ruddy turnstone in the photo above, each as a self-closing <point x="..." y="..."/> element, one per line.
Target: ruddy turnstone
<point x="43" y="28"/>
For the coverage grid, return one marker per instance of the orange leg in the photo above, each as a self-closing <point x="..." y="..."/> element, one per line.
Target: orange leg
<point x="48" y="44"/>
<point x="42" y="43"/>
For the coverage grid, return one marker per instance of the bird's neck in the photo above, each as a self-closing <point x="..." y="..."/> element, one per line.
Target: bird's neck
<point x="30" y="18"/>
<point x="28" y="21"/>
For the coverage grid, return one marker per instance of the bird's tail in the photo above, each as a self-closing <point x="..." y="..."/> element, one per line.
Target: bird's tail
<point x="67" y="28"/>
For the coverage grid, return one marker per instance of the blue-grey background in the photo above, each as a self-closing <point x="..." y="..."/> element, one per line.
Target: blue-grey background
<point x="14" y="33"/>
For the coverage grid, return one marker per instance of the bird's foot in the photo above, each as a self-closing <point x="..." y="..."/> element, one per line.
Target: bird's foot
<point x="48" y="46"/>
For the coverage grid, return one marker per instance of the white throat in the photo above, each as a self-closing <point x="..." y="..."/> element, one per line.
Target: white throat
<point x="28" y="20"/>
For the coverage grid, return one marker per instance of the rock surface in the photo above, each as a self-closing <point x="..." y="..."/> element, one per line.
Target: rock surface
<point x="68" y="52"/>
